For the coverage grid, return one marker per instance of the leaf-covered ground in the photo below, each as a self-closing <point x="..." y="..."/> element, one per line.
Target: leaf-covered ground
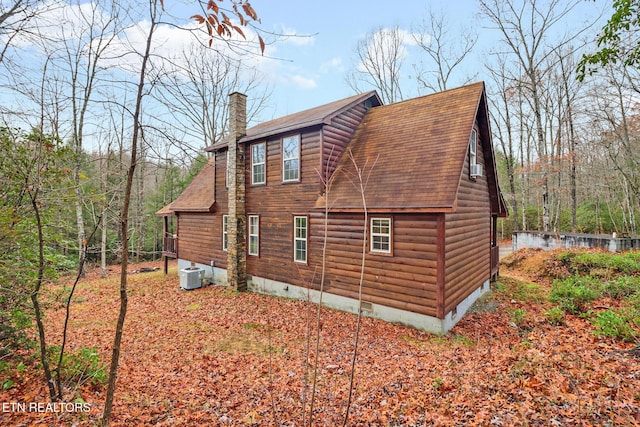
<point x="215" y="357"/>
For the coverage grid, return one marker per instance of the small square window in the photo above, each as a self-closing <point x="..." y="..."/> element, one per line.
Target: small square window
<point x="381" y="235"/>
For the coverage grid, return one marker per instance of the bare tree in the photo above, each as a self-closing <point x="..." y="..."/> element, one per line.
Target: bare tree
<point x="502" y="103"/>
<point x="525" y="28"/>
<point x="380" y="57"/>
<point x="224" y="27"/>
<point x="154" y="14"/>
<point x="446" y="50"/>
<point x="616" y="117"/>
<point x="195" y="85"/>
<point x="85" y="44"/>
<point x="14" y="18"/>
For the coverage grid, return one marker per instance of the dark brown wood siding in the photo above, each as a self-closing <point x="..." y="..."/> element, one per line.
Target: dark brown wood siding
<point x="276" y="203"/>
<point x="337" y="135"/>
<point x="197" y="237"/>
<point x="200" y="235"/>
<point x="467" y="238"/>
<point x="404" y="280"/>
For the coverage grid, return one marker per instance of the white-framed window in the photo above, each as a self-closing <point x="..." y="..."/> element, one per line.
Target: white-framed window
<point x="473" y="146"/>
<point x="291" y="158"/>
<point x="300" y="235"/>
<point x="254" y="235"/>
<point x="225" y="236"/>
<point x="258" y="163"/>
<point x="381" y="235"/>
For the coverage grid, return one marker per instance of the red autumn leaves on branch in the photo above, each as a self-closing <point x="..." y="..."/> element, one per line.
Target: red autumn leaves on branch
<point x="217" y="22"/>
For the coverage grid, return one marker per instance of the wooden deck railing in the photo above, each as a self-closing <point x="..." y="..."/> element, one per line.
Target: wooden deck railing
<point x="170" y="246"/>
<point x="495" y="260"/>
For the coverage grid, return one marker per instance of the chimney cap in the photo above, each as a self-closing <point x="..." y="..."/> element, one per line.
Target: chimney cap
<point x="236" y="93"/>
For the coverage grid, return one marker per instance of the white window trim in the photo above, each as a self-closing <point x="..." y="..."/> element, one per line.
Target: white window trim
<point x="387" y="235"/>
<point x="285" y="159"/>
<point x="254" y="164"/>
<point x="225" y="233"/>
<point x="299" y="239"/>
<point x="256" y="235"/>
<point x="473" y="148"/>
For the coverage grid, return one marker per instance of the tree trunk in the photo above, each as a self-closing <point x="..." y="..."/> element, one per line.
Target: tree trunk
<point x="124" y="224"/>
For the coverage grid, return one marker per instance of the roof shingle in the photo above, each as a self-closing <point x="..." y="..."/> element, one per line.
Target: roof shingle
<point x="199" y="194"/>
<point x="412" y="153"/>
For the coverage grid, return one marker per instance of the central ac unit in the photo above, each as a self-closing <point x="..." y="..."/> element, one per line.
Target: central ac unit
<point x="191" y="278"/>
<point x="476" y="170"/>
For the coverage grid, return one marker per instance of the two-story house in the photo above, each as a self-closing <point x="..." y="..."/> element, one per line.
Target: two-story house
<point x="278" y="207"/>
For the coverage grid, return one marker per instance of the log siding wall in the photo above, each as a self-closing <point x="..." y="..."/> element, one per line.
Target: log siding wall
<point x="468" y="237"/>
<point x="406" y="281"/>
<point x="337" y="135"/>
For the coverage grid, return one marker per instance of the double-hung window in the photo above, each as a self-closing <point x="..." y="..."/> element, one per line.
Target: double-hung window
<point x="258" y="163"/>
<point x="225" y="237"/>
<point x="300" y="239"/>
<point x="291" y="158"/>
<point x="254" y="235"/>
<point x="381" y="235"/>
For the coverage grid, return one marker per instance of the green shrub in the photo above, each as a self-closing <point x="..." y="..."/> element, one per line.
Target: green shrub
<point x="86" y="366"/>
<point x="616" y="324"/>
<point x="555" y="316"/>
<point x="80" y="367"/>
<point x="574" y="294"/>
<point x="626" y="263"/>
<point x="621" y="287"/>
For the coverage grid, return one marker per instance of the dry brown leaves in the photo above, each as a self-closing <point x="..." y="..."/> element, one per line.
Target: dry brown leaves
<point x="215" y="357"/>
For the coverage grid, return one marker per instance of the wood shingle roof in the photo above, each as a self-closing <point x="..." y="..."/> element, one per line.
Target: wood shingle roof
<point x="311" y="117"/>
<point x="199" y="195"/>
<point x="412" y="153"/>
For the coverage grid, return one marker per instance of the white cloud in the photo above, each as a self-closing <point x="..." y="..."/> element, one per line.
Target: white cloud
<point x="301" y="82"/>
<point x="333" y="64"/>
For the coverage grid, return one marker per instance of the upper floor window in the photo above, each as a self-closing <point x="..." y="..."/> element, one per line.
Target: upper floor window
<point x="254" y="235"/>
<point x="473" y="146"/>
<point x="258" y="163"/>
<point x="475" y="168"/>
<point x="291" y="158"/>
<point x="381" y="235"/>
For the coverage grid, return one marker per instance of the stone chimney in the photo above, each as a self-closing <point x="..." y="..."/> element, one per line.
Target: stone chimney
<point x="237" y="220"/>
